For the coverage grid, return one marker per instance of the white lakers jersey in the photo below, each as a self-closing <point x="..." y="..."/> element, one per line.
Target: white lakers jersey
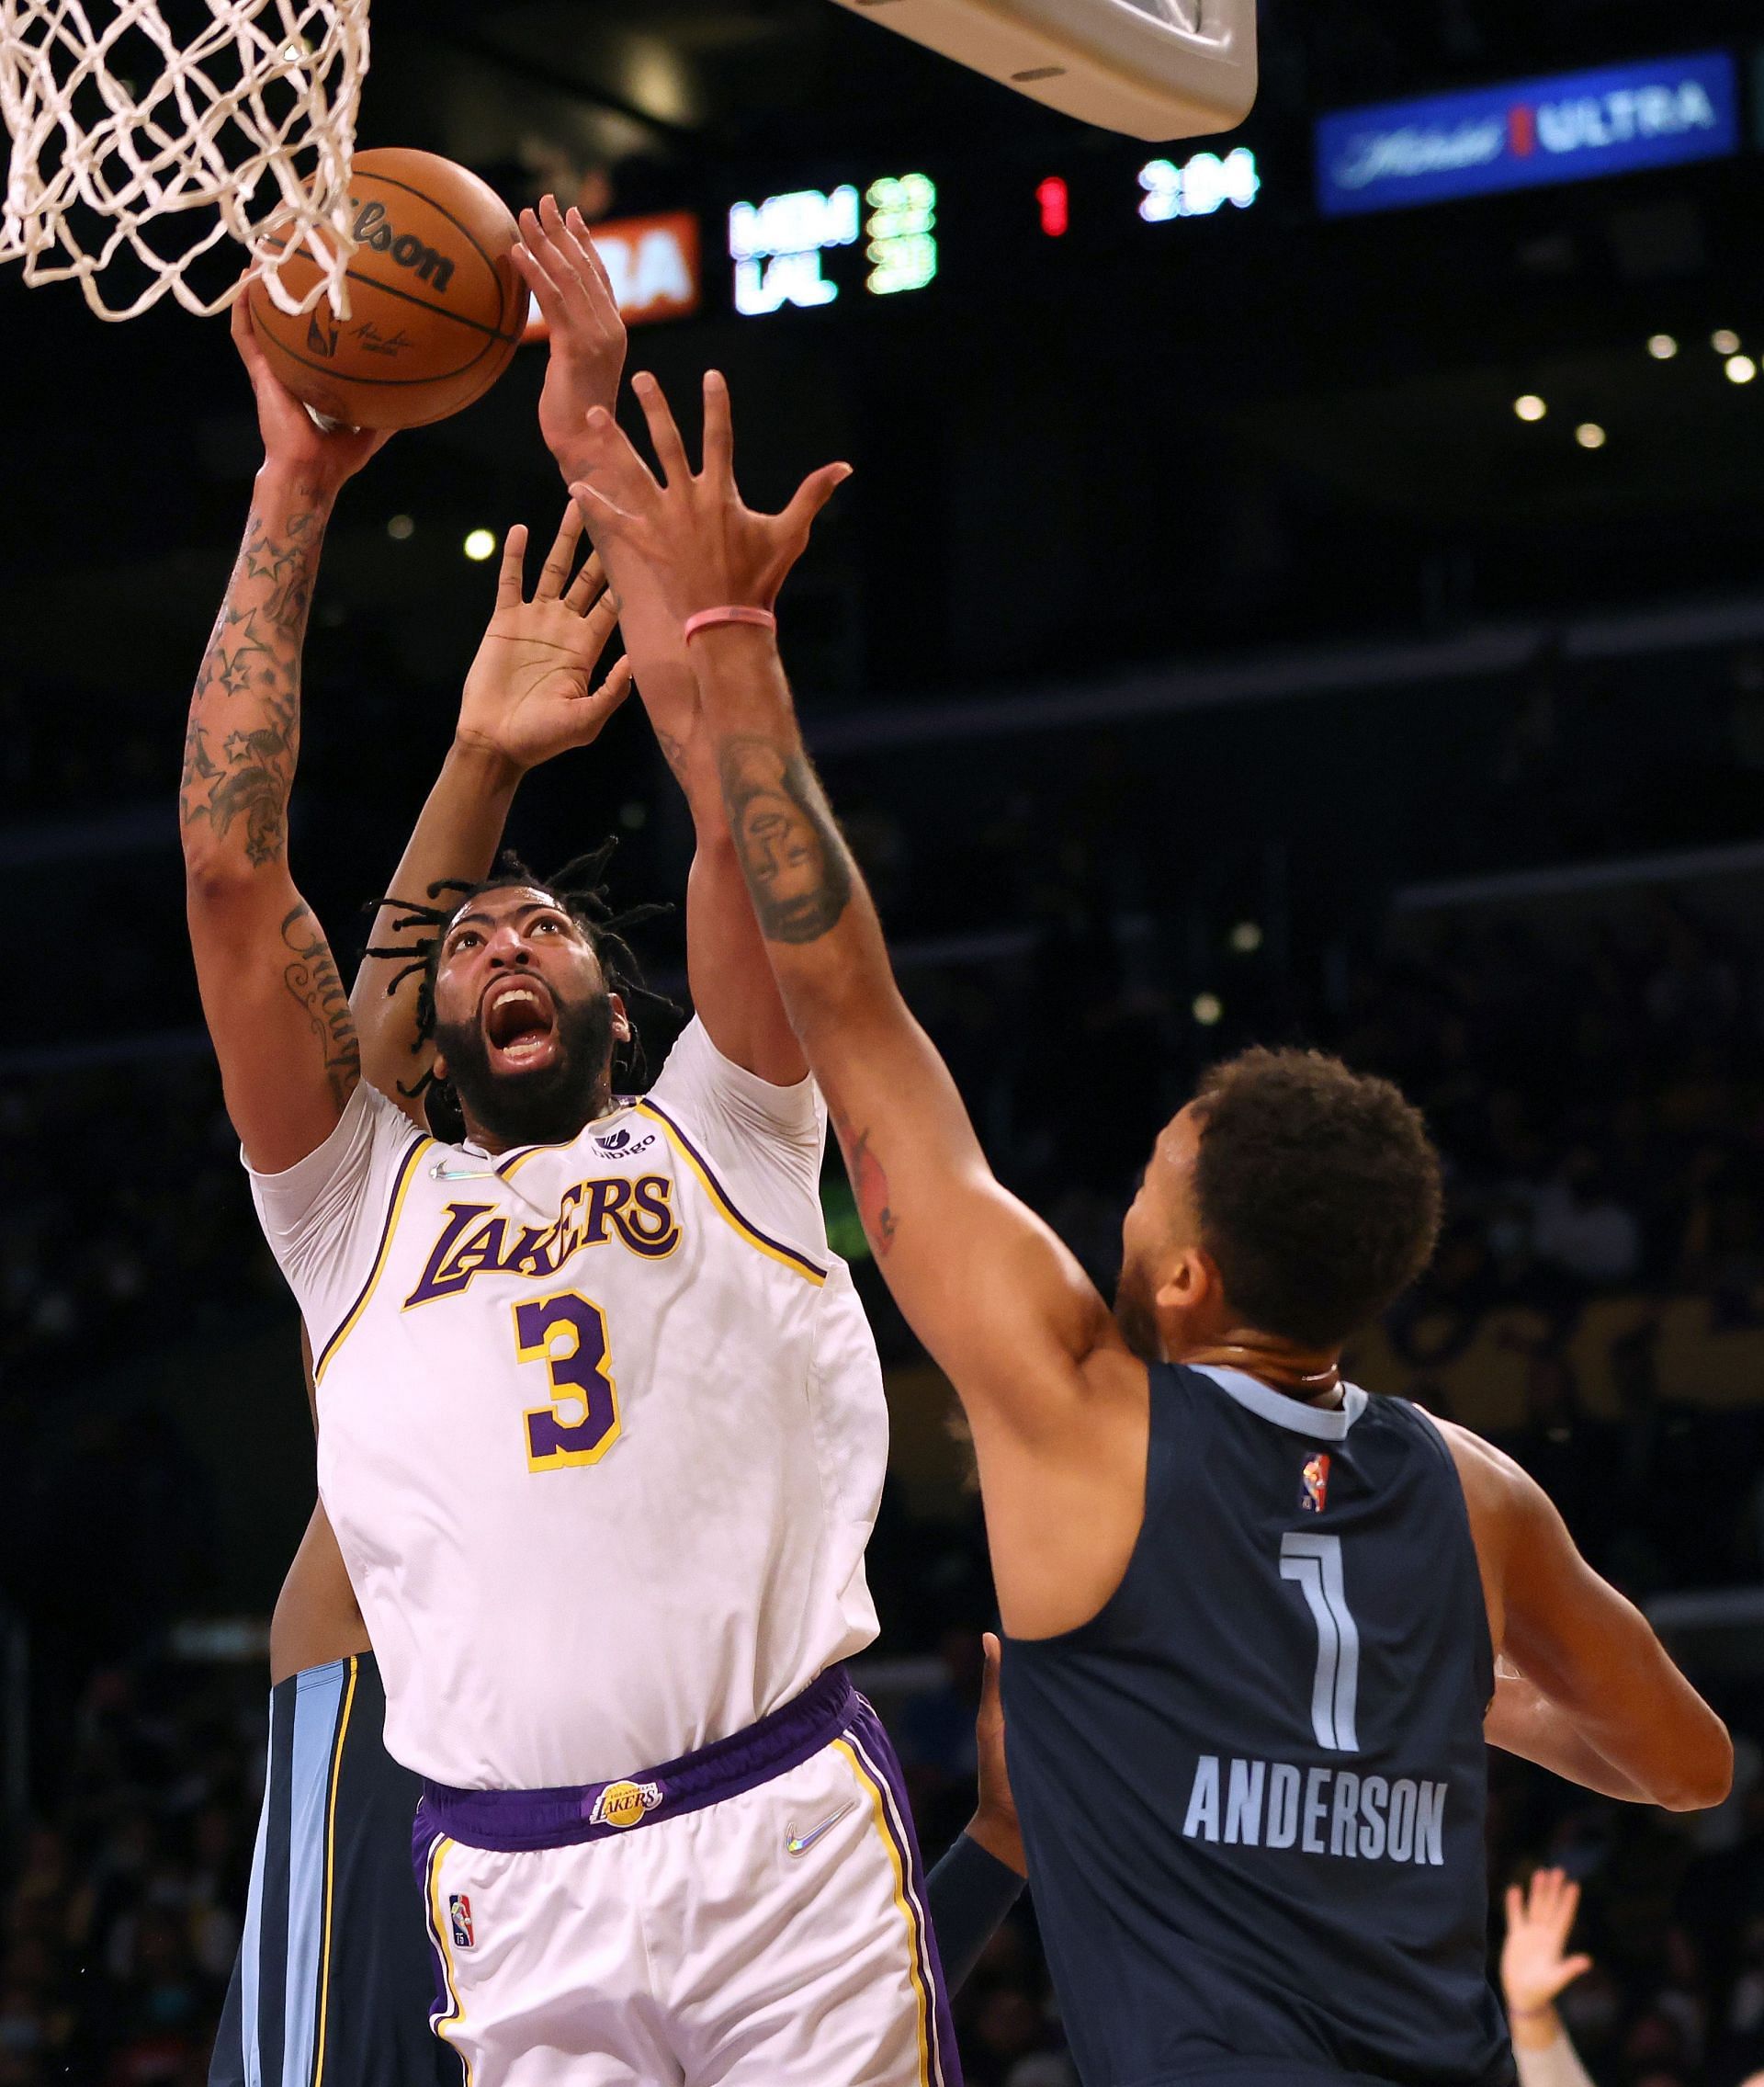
<point x="601" y="1425"/>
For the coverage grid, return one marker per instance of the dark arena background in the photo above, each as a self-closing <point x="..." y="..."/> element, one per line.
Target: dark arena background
<point x="1293" y="587"/>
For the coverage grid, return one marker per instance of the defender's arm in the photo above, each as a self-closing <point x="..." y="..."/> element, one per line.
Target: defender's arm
<point x="733" y="992"/>
<point x="276" y="1007"/>
<point x="994" y="1296"/>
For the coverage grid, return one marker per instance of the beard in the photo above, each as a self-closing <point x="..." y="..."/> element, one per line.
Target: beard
<point x="548" y="1105"/>
<point x="1136" y="1319"/>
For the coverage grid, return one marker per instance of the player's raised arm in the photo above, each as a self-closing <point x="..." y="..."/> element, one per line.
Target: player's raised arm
<point x="733" y="990"/>
<point x="276" y="1007"/>
<point x="987" y="1287"/>
<point x="531" y="695"/>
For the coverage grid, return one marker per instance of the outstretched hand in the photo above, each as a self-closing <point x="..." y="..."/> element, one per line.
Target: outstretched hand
<point x="531" y="694"/>
<point x="558" y="263"/>
<point x="293" y="442"/>
<point x="1534" y="1965"/>
<point x="700" y="542"/>
<point x="995" y="1825"/>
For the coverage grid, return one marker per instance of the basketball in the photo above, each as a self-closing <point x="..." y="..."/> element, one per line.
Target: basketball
<point x="435" y="308"/>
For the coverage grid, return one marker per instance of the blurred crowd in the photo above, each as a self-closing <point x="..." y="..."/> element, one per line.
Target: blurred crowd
<point x="120" y="1913"/>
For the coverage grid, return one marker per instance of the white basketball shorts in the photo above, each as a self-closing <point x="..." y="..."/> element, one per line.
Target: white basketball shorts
<point x="752" y="1915"/>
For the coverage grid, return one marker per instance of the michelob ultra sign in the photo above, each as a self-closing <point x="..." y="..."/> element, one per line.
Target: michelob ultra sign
<point x="1574" y="127"/>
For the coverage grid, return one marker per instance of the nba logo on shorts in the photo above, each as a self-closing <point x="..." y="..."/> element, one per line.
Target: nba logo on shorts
<point x="1314" y="1480"/>
<point x="459" y="1915"/>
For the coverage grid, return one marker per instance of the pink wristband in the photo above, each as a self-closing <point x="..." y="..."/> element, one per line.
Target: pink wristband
<point x="708" y="618"/>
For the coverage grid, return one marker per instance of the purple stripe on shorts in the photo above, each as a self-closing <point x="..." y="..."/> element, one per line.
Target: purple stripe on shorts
<point x="875" y="1749"/>
<point x="423" y="1842"/>
<point x="516" y="1821"/>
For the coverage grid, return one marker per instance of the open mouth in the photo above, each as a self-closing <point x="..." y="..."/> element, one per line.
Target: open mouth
<point x="520" y="1025"/>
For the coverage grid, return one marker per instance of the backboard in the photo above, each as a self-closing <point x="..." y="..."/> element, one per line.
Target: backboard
<point x="1154" y="69"/>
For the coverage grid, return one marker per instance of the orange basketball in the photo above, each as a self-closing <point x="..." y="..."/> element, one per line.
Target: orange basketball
<point x="435" y="308"/>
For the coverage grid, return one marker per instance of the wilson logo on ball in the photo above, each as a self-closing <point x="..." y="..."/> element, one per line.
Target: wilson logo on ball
<point x="374" y="227"/>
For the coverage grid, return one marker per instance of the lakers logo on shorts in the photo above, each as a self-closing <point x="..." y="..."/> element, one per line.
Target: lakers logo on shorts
<point x="625" y="1804"/>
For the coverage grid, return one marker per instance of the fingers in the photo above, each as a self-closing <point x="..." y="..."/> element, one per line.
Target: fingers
<point x="605" y="517"/>
<point x="554" y="577"/>
<point x="546" y="293"/>
<point x="563" y="263"/>
<point x="719" y="431"/>
<point x="812" y="496"/>
<point x="510" y="577"/>
<point x="594" y="266"/>
<point x="621" y="480"/>
<point x="992" y="1701"/>
<point x="1574" y="1968"/>
<point x="1515" y="1906"/>
<point x="618" y="684"/>
<point x="588" y="589"/>
<point x="664" y="432"/>
<point x="597" y="709"/>
<point x="598" y="625"/>
<point x="245" y="338"/>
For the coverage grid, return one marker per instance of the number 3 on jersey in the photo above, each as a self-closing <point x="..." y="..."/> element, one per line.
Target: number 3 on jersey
<point x="580" y="1424"/>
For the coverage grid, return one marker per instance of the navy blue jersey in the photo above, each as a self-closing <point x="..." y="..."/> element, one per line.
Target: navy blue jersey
<point x="1254" y="1788"/>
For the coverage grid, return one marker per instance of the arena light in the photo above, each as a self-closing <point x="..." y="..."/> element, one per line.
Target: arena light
<point x="1590" y="436"/>
<point x="1725" y="342"/>
<point x="401" y="528"/>
<point x="1246" y="938"/>
<point x="1199" y="187"/>
<point x="1529" y="406"/>
<point x="1208" y="1010"/>
<point x="1662" y="346"/>
<point x="1741" y="370"/>
<point x="480" y="545"/>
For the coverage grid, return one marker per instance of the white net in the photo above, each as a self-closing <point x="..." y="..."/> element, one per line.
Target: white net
<point x="144" y="133"/>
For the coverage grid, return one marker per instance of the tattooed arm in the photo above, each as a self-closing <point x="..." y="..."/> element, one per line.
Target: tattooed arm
<point x="1058" y="1408"/>
<point x="276" y="1007"/>
<point x="732" y="989"/>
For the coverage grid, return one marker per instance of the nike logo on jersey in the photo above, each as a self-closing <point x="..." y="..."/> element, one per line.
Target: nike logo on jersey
<point x="799" y="1844"/>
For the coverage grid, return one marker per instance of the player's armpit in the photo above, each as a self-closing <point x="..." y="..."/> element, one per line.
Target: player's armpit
<point x="1591" y="1654"/>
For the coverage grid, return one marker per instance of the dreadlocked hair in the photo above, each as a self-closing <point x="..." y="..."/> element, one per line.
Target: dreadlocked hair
<point x="580" y="890"/>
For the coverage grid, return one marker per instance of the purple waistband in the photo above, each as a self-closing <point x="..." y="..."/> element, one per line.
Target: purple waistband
<point x="515" y="1821"/>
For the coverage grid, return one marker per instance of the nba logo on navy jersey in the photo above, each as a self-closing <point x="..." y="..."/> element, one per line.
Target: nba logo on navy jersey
<point x="1315" y="1480"/>
<point x="459" y="1914"/>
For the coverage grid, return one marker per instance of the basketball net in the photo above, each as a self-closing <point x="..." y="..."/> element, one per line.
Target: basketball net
<point x="129" y="143"/>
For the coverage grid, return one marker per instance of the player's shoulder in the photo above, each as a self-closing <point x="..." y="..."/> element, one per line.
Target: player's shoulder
<point x="699" y="1084"/>
<point x="1502" y="1498"/>
<point x="1477" y="1459"/>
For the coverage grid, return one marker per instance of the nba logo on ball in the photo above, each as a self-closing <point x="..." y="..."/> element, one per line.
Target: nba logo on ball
<point x="1315" y="1480"/>
<point x="459" y="1916"/>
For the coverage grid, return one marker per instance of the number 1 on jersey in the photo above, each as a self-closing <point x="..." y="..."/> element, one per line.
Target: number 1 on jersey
<point x="580" y="1424"/>
<point x="1315" y="1561"/>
